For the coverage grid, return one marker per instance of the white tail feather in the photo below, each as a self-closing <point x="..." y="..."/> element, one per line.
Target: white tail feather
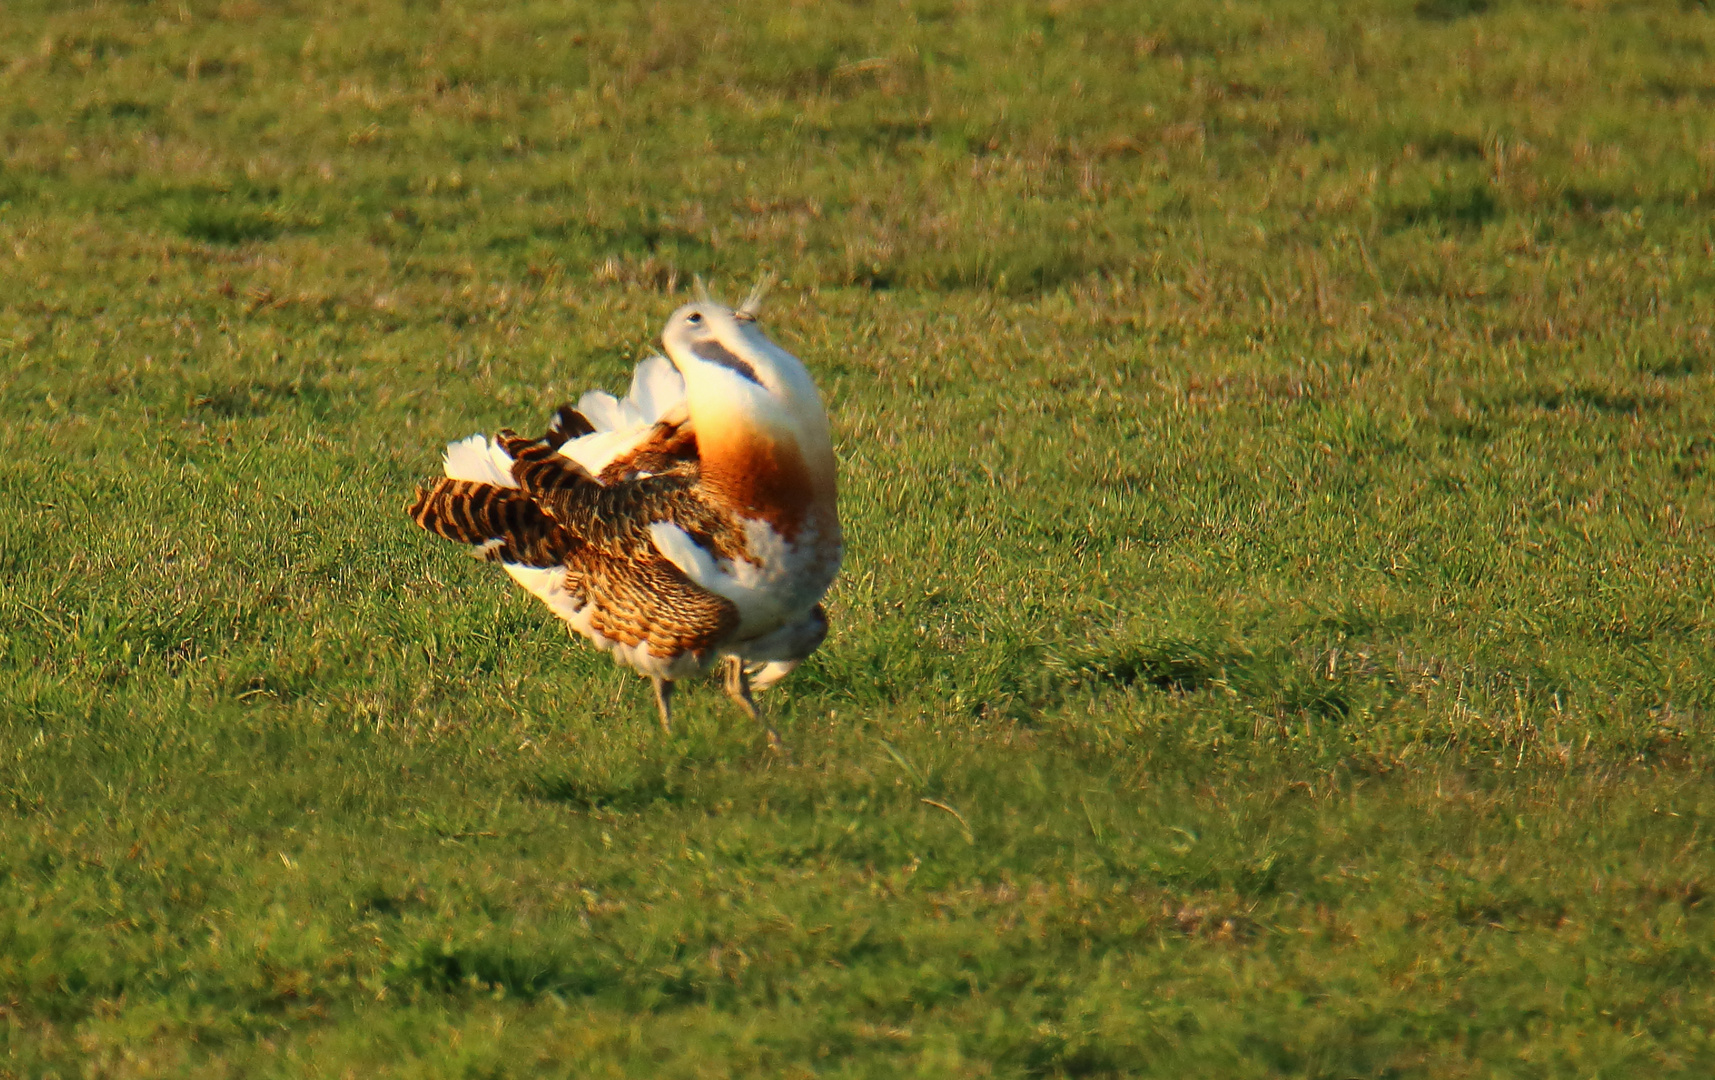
<point x="762" y="676"/>
<point x="656" y="386"/>
<point x="657" y="393"/>
<point x="549" y="584"/>
<point x="601" y="409"/>
<point x="475" y="458"/>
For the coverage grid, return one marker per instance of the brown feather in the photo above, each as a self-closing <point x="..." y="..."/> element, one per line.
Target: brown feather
<point x="470" y="512"/>
<point x="650" y="600"/>
<point x="615" y="518"/>
<point x="761" y="478"/>
<point x="568" y="423"/>
<point x="559" y="515"/>
<point x="669" y="448"/>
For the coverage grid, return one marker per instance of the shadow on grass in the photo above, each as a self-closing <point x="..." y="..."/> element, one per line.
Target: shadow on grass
<point x="1448" y="10"/>
<point x="521" y="970"/>
<point x="247" y="399"/>
<point x="227" y="225"/>
<point x="1170" y="663"/>
<point x="1450" y="207"/>
<point x="227" y="215"/>
<point x="624" y="787"/>
<point x="1283" y="680"/>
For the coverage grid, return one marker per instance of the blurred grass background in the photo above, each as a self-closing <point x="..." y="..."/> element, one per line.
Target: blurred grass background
<point x="1274" y="639"/>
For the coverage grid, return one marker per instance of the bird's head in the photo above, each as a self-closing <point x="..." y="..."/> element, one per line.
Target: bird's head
<point x="730" y="366"/>
<point x="744" y="392"/>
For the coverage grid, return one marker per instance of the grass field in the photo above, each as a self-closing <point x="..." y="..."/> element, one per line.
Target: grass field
<point x="1275" y="635"/>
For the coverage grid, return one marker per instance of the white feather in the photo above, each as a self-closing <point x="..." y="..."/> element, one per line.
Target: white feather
<point x="475" y="458"/>
<point x="549" y="585"/>
<point x="677" y="547"/>
<point x="766" y="675"/>
<point x="656" y="386"/>
<point x="595" y="450"/>
<point x="601" y="409"/>
<point x="764" y="595"/>
<point x="657" y="393"/>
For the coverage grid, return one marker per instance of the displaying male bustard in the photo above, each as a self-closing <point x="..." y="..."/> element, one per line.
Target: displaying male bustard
<point x="691" y="523"/>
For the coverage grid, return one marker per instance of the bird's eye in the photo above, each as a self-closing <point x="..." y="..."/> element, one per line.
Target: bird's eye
<point x="693" y="318"/>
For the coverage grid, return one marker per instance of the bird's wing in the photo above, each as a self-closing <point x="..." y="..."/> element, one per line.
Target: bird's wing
<point x="618" y="517"/>
<point x="606" y="575"/>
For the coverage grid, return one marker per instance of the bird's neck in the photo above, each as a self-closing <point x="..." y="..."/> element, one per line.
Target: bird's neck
<point x="761" y="470"/>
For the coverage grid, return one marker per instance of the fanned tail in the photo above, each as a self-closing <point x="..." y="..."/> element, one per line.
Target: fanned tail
<point x="500" y="523"/>
<point x="538" y="466"/>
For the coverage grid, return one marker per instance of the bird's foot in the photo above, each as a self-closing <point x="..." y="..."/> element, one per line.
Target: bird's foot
<point x="736" y="680"/>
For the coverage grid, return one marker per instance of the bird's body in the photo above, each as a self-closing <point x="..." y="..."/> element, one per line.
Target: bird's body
<point x="692" y="521"/>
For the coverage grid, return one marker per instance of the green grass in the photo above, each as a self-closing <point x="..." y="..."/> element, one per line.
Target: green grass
<point x="1275" y="638"/>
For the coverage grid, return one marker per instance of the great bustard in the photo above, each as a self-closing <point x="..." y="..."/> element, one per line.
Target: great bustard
<point x="692" y="522"/>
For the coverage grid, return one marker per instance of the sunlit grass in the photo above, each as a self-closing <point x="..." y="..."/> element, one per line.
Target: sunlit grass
<point x="1275" y="634"/>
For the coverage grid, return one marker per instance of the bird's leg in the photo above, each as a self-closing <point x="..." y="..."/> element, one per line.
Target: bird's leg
<point x="664" y="702"/>
<point x="737" y="685"/>
<point x="737" y="682"/>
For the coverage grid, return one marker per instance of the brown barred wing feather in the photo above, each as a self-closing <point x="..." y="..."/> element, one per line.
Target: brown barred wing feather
<point x="670" y="446"/>
<point x="568" y="423"/>
<point x="504" y="523"/>
<point x="615" y="518"/>
<point x="561" y="517"/>
<point x="649" y="601"/>
<point x="670" y="449"/>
